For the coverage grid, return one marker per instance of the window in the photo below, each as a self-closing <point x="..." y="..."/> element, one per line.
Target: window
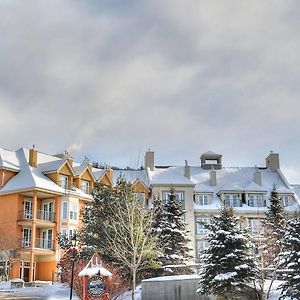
<point x="73" y="211"/>
<point x="201" y="245"/>
<point x="201" y="199"/>
<point x="179" y="197"/>
<point x="255" y="226"/>
<point x="232" y="200"/>
<point x="64" y="232"/>
<point x="28" y="210"/>
<point x="200" y="228"/>
<point x="85" y="186"/>
<point x="65" y="210"/>
<point x="26" y="242"/>
<point x="64" y="180"/>
<point x="256" y="200"/>
<point x="285" y="199"/>
<point x="72" y="232"/>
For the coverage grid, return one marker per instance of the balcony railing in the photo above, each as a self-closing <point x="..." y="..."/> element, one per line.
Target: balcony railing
<point x="43" y="244"/>
<point x="67" y="185"/>
<point x="86" y="189"/>
<point x="39" y="243"/>
<point x="42" y="215"/>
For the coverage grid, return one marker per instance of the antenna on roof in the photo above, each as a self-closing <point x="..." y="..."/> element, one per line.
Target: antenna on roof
<point x="33" y="146"/>
<point x="186" y="163"/>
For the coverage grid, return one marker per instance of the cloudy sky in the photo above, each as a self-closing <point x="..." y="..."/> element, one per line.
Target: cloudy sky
<point x="110" y="79"/>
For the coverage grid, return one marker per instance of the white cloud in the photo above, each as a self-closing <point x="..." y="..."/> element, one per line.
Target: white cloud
<point x="181" y="77"/>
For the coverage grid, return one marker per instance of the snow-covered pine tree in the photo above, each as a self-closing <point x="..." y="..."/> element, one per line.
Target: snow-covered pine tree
<point x="158" y="220"/>
<point x="228" y="266"/>
<point x="173" y="235"/>
<point x="273" y="225"/>
<point x="289" y="258"/>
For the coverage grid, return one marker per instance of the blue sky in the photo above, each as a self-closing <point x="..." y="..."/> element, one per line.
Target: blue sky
<point x="110" y="79"/>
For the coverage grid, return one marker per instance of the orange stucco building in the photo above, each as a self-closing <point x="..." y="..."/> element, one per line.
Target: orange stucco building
<point x="41" y="196"/>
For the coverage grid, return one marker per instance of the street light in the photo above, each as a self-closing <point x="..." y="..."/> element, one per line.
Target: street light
<point x="72" y="251"/>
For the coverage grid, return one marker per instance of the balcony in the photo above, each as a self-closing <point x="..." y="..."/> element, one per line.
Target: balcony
<point x="86" y="189"/>
<point x="67" y="185"/>
<point x="39" y="244"/>
<point x="41" y="215"/>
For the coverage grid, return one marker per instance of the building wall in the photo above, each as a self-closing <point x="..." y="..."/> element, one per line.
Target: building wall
<point x="188" y="206"/>
<point x="9" y="231"/>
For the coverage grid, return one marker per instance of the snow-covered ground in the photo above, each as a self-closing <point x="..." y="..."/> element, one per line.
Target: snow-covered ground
<point x="56" y="291"/>
<point x="61" y="291"/>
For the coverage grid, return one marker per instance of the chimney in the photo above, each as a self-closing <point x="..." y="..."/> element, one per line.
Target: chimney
<point x="149" y="160"/>
<point x="110" y="174"/>
<point x="257" y="176"/>
<point x="187" y="170"/>
<point x="213" y="177"/>
<point x="33" y="157"/>
<point x="272" y="161"/>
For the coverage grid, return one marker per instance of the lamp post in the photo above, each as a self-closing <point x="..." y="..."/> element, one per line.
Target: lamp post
<point x="72" y="251"/>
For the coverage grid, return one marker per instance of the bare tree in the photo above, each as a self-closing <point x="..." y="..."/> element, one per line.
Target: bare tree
<point x="128" y="234"/>
<point x="8" y="250"/>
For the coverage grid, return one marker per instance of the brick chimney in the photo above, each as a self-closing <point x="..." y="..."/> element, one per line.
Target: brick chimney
<point x="33" y="157"/>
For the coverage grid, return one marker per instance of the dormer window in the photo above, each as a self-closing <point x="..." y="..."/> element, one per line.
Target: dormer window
<point x="201" y="199"/>
<point x="256" y="200"/>
<point x="232" y="200"/>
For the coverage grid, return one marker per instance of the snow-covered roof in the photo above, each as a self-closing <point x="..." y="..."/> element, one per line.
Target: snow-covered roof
<point x="98" y="173"/>
<point x="51" y="166"/>
<point x="30" y="178"/>
<point x="230" y="186"/>
<point x="254" y="187"/>
<point x="169" y="176"/>
<point x="130" y="176"/>
<point x="93" y="267"/>
<point x="9" y="159"/>
<point x="210" y="154"/>
<point x="79" y="169"/>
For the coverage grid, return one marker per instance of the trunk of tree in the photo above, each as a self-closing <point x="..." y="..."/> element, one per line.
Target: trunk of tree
<point x="133" y="284"/>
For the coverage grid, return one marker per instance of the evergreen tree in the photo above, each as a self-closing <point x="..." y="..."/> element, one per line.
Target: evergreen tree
<point x="289" y="258"/>
<point x="273" y="225"/>
<point x="158" y="219"/>
<point x="228" y="266"/>
<point x="172" y="233"/>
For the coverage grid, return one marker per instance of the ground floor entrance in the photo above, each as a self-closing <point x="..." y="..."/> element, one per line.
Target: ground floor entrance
<point x="24" y="270"/>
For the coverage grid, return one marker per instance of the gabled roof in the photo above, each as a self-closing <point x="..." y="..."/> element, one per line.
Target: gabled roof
<point x="169" y="176"/>
<point x="131" y="176"/>
<point x="79" y="170"/>
<point x="98" y="173"/>
<point x="9" y="160"/>
<point x="231" y="187"/>
<point x="51" y="166"/>
<point x="254" y="187"/>
<point x="30" y="178"/>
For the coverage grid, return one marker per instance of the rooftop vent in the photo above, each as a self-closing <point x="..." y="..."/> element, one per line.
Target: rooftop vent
<point x="211" y="160"/>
